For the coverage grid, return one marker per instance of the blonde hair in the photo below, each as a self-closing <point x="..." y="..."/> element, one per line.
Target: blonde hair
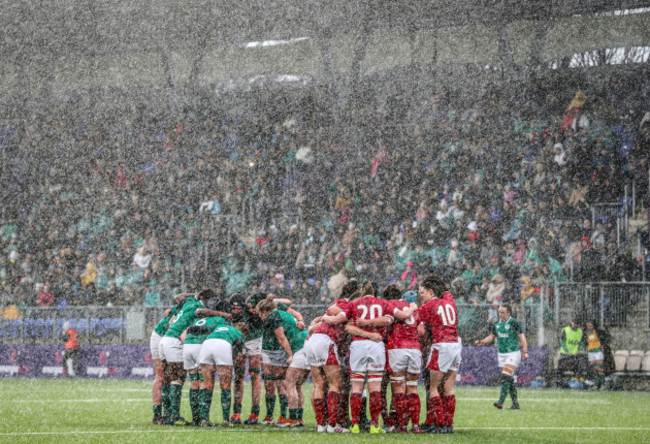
<point x="368" y="290"/>
<point x="267" y="305"/>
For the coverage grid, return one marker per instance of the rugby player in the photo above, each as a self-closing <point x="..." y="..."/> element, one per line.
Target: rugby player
<point x="508" y="332"/>
<point x="171" y="348"/>
<point x="439" y="325"/>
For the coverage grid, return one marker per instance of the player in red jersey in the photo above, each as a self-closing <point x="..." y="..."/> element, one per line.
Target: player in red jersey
<point x="438" y="323"/>
<point x="322" y="355"/>
<point x="367" y="354"/>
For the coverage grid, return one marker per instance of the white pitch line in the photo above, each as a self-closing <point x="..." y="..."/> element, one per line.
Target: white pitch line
<point x="108" y="401"/>
<point x="276" y="430"/>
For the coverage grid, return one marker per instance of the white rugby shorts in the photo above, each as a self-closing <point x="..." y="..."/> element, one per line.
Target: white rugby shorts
<point x="409" y="359"/>
<point x="320" y="350"/>
<point x="191" y="356"/>
<point x="216" y="352"/>
<point x="367" y="356"/>
<point x="595" y="356"/>
<point x="300" y="360"/>
<point x="445" y="357"/>
<point x="154" y="345"/>
<point x="252" y="347"/>
<point x="512" y="359"/>
<point x="171" y="349"/>
<point x="277" y="358"/>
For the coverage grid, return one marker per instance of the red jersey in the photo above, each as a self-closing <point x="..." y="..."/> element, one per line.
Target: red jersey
<point x="404" y="334"/>
<point x="440" y="316"/>
<point x="368" y="307"/>
<point x="333" y="331"/>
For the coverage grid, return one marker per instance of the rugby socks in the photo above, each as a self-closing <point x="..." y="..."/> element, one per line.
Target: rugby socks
<point x="255" y="410"/>
<point x="414" y="408"/>
<point x="236" y="408"/>
<point x="157" y="410"/>
<point x="175" y="393"/>
<point x="434" y="411"/>
<point x="402" y="409"/>
<point x="270" y="405"/>
<point x="506" y="381"/>
<point x="332" y="406"/>
<point x="355" y="407"/>
<point x="301" y="411"/>
<point x="205" y="402"/>
<point x="319" y="410"/>
<point x="166" y="401"/>
<point x="194" y="405"/>
<point x="294" y="414"/>
<point x="450" y="408"/>
<point x="513" y="392"/>
<point x="375" y="408"/>
<point x="284" y="405"/>
<point x="225" y="403"/>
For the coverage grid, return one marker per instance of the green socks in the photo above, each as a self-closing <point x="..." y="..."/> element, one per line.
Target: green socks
<point x="194" y="405"/>
<point x="205" y="401"/>
<point x="255" y="410"/>
<point x="166" y="401"/>
<point x="175" y="393"/>
<point x="284" y="405"/>
<point x="505" y="389"/>
<point x="225" y="403"/>
<point x="513" y="392"/>
<point x="236" y="407"/>
<point x="270" y="405"/>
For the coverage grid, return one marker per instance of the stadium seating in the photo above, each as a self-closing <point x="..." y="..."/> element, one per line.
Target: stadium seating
<point x="620" y="359"/>
<point x="634" y="360"/>
<point x="645" y="364"/>
<point x="15" y="327"/>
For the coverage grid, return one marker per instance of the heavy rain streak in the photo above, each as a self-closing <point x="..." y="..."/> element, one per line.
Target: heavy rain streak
<point x="254" y="220"/>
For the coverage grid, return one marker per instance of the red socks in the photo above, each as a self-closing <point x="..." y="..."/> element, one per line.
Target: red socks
<point x="434" y="411"/>
<point x="355" y="407"/>
<point x="402" y="409"/>
<point x="414" y="408"/>
<point x="450" y="408"/>
<point x="319" y="410"/>
<point x="375" y="407"/>
<point x="332" y="406"/>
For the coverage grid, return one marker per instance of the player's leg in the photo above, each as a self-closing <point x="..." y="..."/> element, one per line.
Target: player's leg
<point x="301" y="397"/>
<point x="413" y="399"/>
<point x="176" y="392"/>
<point x="388" y="413"/>
<point x="374" y="399"/>
<point x="343" y="414"/>
<point x="269" y="378"/>
<point x="280" y="373"/>
<point x="156" y="391"/>
<point x="254" y="371"/>
<point x="239" y="365"/>
<point x="165" y="397"/>
<point x="333" y="375"/>
<point x="207" y="370"/>
<point x="449" y="400"/>
<point x="195" y="387"/>
<point x="357" y="383"/>
<point x="398" y="389"/>
<point x="225" y="380"/>
<point x="507" y="384"/>
<point x="318" y="397"/>
<point x="292" y="382"/>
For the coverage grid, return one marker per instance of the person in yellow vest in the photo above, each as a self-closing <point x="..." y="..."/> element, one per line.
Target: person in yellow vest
<point x="572" y="359"/>
<point x="71" y="354"/>
<point x="597" y="346"/>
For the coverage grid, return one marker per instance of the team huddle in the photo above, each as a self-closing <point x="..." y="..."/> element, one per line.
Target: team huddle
<point x="363" y="344"/>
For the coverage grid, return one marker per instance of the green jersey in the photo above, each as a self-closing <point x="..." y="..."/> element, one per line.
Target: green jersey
<point x="276" y="319"/>
<point x="507" y="333"/>
<point x="227" y="333"/>
<point x="184" y="318"/>
<point x="198" y="335"/>
<point x="163" y="325"/>
<point x="255" y="323"/>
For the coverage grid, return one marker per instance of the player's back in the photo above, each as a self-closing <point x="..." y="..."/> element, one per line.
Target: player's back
<point x="404" y="334"/>
<point x="333" y="331"/>
<point x="440" y="315"/>
<point x="368" y="308"/>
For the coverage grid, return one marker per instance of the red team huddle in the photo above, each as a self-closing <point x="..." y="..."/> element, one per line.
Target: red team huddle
<point x="368" y="341"/>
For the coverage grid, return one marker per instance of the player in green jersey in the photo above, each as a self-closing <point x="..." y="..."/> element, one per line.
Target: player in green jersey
<point x="281" y="337"/>
<point x="508" y="333"/>
<point x="192" y="340"/>
<point x="171" y="348"/>
<point x="218" y="351"/>
<point x="160" y="391"/>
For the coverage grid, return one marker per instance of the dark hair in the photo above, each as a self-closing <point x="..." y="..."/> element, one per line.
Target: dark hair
<point x="204" y="295"/>
<point x="349" y="288"/>
<point x="238" y="300"/>
<point x="507" y="307"/>
<point x="391" y="292"/>
<point x="435" y="283"/>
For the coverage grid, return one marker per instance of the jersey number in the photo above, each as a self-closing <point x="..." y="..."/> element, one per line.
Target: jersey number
<point x="448" y="315"/>
<point x="201" y="322"/>
<point x="375" y="311"/>
<point x="177" y="317"/>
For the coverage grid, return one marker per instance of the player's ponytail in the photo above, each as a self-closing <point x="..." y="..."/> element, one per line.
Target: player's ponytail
<point x="368" y="289"/>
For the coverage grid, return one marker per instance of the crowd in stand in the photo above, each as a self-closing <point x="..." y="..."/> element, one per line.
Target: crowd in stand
<point x="292" y="200"/>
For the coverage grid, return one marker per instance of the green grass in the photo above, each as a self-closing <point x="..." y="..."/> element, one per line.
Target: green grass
<point x="47" y="410"/>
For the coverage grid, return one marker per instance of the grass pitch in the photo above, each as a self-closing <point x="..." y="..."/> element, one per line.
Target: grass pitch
<point x="107" y="411"/>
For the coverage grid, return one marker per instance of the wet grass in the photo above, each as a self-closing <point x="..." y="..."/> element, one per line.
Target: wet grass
<point x="48" y="410"/>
